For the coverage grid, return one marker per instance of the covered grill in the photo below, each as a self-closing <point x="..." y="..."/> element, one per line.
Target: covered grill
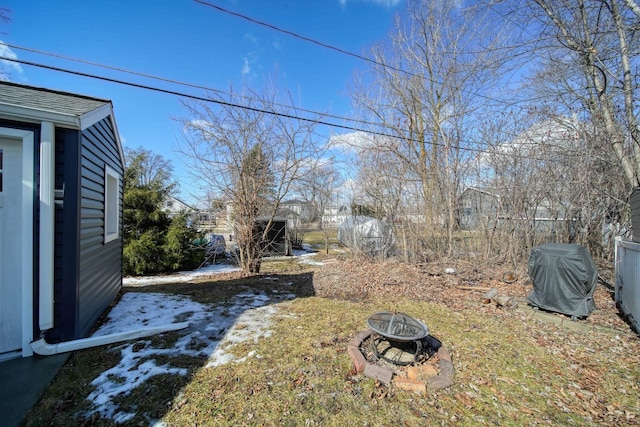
<point x="564" y="279"/>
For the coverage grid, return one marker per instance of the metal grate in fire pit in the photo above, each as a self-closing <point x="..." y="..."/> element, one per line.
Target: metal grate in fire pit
<point x="397" y="337"/>
<point x="397" y="326"/>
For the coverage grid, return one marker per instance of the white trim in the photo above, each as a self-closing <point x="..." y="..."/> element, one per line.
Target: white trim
<point x="94" y="116"/>
<point x="16" y="112"/>
<point x="47" y="224"/>
<point x="34" y="115"/>
<point x="26" y="226"/>
<point x="111" y="204"/>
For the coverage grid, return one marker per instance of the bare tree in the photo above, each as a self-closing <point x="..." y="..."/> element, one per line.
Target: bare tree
<point x="319" y="188"/>
<point x="427" y="88"/>
<point x="249" y="150"/>
<point x="150" y="169"/>
<point x="593" y="40"/>
<point x="633" y="6"/>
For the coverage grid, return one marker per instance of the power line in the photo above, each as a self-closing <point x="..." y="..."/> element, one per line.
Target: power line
<point x="296" y="35"/>
<point x="178" y="82"/>
<point x="206" y="88"/>
<point x="342" y="51"/>
<point x="262" y="111"/>
<point x="183" y="94"/>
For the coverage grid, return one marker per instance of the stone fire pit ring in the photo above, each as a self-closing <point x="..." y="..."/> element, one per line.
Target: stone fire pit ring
<point x="417" y="330"/>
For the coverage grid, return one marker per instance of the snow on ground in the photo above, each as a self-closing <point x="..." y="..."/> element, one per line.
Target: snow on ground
<point x="180" y="277"/>
<point x="303" y="257"/>
<point x="306" y="259"/>
<point x="212" y="334"/>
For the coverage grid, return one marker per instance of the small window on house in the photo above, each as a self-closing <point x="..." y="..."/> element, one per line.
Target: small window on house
<point x="111" y="205"/>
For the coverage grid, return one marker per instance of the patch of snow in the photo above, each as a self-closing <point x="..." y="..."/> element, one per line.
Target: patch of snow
<point x="212" y="333"/>
<point x="305" y="259"/>
<point x="310" y="262"/>
<point x="180" y="277"/>
<point x="253" y="324"/>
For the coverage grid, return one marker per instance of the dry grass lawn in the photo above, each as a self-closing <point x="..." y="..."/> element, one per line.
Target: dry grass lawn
<point x="511" y="369"/>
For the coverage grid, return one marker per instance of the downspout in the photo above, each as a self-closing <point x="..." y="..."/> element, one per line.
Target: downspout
<point x="46" y="265"/>
<point x="47" y="223"/>
<point x="43" y="348"/>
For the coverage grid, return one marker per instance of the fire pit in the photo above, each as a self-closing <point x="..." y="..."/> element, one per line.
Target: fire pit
<point x="399" y="338"/>
<point x="395" y="339"/>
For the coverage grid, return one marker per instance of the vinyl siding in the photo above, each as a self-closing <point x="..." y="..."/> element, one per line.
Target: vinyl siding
<point x="66" y="247"/>
<point x="100" y="268"/>
<point x="87" y="273"/>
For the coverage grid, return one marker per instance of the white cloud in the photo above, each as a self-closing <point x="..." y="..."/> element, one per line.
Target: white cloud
<point x="385" y="3"/>
<point x="352" y="141"/>
<point x="248" y="61"/>
<point x="246" y="68"/>
<point x="251" y="38"/>
<point x="8" y="68"/>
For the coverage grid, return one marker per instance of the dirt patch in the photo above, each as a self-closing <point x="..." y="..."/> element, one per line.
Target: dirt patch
<point x="456" y="285"/>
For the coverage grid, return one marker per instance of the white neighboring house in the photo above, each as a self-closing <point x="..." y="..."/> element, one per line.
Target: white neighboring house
<point x="174" y="206"/>
<point x="297" y="211"/>
<point x="201" y="218"/>
<point x="335" y="215"/>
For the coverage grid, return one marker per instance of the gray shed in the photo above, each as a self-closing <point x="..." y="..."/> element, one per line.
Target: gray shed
<point x="61" y="188"/>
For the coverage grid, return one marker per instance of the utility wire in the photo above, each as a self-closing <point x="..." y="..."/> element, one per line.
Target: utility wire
<point x="340" y="50"/>
<point x="183" y="94"/>
<point x="167" y="80"/>
<point x="196" y="86"/>
<point x="296" y="35"/>
<point x="257" y="110"/>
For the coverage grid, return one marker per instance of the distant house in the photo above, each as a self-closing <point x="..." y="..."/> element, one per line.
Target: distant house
<point x="335" y="215"/>
<point x="174" y="206"/>
<point x="297" y="212"/>
<point x="203" y="220"/>
<point x="478" y="207"/>
<point x="61" y="175"/>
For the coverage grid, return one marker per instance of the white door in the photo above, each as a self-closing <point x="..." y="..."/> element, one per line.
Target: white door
<point x="11" y="283"/>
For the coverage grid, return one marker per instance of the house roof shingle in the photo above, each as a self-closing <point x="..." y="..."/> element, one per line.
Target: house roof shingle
<point x="35" y="104"/>
<point x="48" y="100"/>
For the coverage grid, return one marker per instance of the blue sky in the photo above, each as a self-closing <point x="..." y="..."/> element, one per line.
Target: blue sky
<point x="187" y="41"/>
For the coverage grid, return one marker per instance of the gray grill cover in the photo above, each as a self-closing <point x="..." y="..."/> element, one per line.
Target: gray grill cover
<point x="564" y="279"/>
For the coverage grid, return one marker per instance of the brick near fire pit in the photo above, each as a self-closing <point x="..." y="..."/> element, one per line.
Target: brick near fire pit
<point x="443" y="380"/>
<point x="379" y="373"/>
<point x="410" y="384"/>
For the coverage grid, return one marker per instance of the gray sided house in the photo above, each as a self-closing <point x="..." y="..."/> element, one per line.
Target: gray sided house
<point x="479" y="208"/>
<point x="61" y="185"/>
